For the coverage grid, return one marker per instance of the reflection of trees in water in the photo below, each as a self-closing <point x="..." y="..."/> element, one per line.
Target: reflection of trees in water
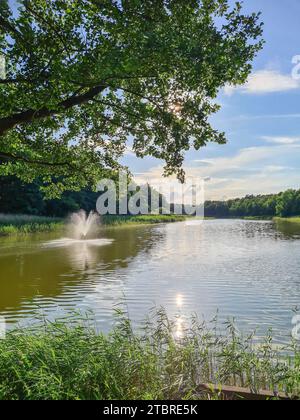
<point x="289" y="229"/>
<point x="44" y="272"/>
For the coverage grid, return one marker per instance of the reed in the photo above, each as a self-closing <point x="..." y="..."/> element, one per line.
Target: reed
<point x="141" y="219"/>
<point x="23" y="224"/>
<point x="58" y="361"/>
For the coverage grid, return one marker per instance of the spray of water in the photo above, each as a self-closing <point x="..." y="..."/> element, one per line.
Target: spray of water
<point x="83" y="225"/>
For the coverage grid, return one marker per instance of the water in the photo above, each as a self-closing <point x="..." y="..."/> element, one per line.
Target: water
<point x="243" y="269"/>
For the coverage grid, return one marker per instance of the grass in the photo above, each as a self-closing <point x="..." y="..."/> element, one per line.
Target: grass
<point x="141" y="219"/>
<point x="23" y="225"/>
<point x="60" y="361"/>
<point x="258" y="218"/>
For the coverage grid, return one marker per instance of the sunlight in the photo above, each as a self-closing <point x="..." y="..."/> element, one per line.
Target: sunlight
<point x="179" y="300"/>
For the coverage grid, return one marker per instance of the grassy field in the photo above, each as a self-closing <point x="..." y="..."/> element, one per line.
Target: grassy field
<point x="22" y="224"/>
<point x="59" y="361"/>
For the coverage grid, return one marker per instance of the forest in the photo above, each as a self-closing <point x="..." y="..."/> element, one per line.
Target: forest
<point x="17" y="197"/>
<point x="284" y="204"/>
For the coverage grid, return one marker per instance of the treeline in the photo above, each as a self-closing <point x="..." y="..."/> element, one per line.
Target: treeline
<point x="285" y="204"/>
<point x="19" y="198"/>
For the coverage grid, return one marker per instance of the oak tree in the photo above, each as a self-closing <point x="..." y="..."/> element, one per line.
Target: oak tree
<point x="84" y="76"/>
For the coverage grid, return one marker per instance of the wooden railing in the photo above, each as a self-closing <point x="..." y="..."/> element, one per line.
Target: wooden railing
<point x="237" y="393"/>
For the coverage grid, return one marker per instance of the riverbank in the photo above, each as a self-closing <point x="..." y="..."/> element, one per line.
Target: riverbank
<point x="22" y="224"/>
<point x="141" y="219"/>
<point x="165" y="361"/>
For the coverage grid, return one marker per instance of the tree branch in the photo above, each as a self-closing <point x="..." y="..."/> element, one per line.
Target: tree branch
<point x="11" y="156"/>
<point x="31" y="115"/>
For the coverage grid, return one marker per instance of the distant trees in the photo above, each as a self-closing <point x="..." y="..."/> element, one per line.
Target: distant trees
<point x="17" y="197"/>
<point x="284" y="204"/>
<point x="288" y="204"/>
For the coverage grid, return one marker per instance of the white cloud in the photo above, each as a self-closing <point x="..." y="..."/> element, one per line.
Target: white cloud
<point x="253" y="170"/>
<point x="281" y="140"/>
<point x="265" y="81"/>
<point x="249" y="117"/>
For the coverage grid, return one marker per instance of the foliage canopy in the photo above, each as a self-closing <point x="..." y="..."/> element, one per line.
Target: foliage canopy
<point x="84" y="76"/>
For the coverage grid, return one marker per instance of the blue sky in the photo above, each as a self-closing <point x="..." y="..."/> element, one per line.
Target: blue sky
<point x="261" y="119"/>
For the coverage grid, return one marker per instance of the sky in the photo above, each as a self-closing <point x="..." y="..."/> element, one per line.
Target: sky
<point x="261" y="119"/>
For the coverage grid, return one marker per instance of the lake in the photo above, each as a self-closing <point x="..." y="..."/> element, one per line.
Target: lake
<point x="246" y="270"/>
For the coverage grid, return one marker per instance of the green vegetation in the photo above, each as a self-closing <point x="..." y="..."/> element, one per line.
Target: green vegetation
<point x="22" y="224"/>
<point x="288" y="219"/>
<point x="284" y="204"/>
<point x="143" y="219"/>
<point x="17" y="197"/>
<point x="106" y="71"/>
<point x="59" y="361"/>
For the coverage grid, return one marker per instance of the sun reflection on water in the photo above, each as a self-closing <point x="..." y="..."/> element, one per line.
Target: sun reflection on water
<point x="179" y="300"/>
<point x="179" y="328"/>
<point x="179" y="325"/>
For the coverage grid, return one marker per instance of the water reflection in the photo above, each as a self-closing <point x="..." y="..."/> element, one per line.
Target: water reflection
<point x="55" y="273"/>
<point x="179" y="328"/>
<point x="179" y="300"/>
<point x="288" y="229"/>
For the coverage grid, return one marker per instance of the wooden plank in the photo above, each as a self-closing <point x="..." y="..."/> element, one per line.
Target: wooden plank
<point x="237" y="393"/>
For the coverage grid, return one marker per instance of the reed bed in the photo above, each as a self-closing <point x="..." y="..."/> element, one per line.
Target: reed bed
<point x="141" y="219"/>
<point x="59" y="361"/>
<point x="23" y="224"/>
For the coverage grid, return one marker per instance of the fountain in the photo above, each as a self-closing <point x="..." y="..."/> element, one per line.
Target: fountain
<point x="83" y="230"/>
<point x="83" y="224"/>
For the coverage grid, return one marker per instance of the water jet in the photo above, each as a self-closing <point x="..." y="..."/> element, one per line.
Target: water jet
<point x="82" y="224"/>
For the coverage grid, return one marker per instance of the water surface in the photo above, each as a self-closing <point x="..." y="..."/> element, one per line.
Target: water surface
<point x="243" y="269"/>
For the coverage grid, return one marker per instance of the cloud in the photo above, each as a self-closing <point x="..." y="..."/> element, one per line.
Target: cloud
<point x="202" y="163"/>
<point x="281" y="140"/>
<point x="253" y="170"/>
<point x="249" y="117"/>
<point x="265" y="81"/>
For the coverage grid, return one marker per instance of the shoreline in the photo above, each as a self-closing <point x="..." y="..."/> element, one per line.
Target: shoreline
<point x="12" y="225"/>
<point x="18" y="225"/>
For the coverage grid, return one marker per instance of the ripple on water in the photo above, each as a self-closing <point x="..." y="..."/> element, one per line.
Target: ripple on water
<point x="246" y="270"/>
<point x="69" y="242"/>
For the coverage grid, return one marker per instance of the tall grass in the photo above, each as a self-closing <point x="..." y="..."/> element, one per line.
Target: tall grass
<point x="23" y="224"/>
<point x="59" y="361"/>
<point x="143" y="219"/>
